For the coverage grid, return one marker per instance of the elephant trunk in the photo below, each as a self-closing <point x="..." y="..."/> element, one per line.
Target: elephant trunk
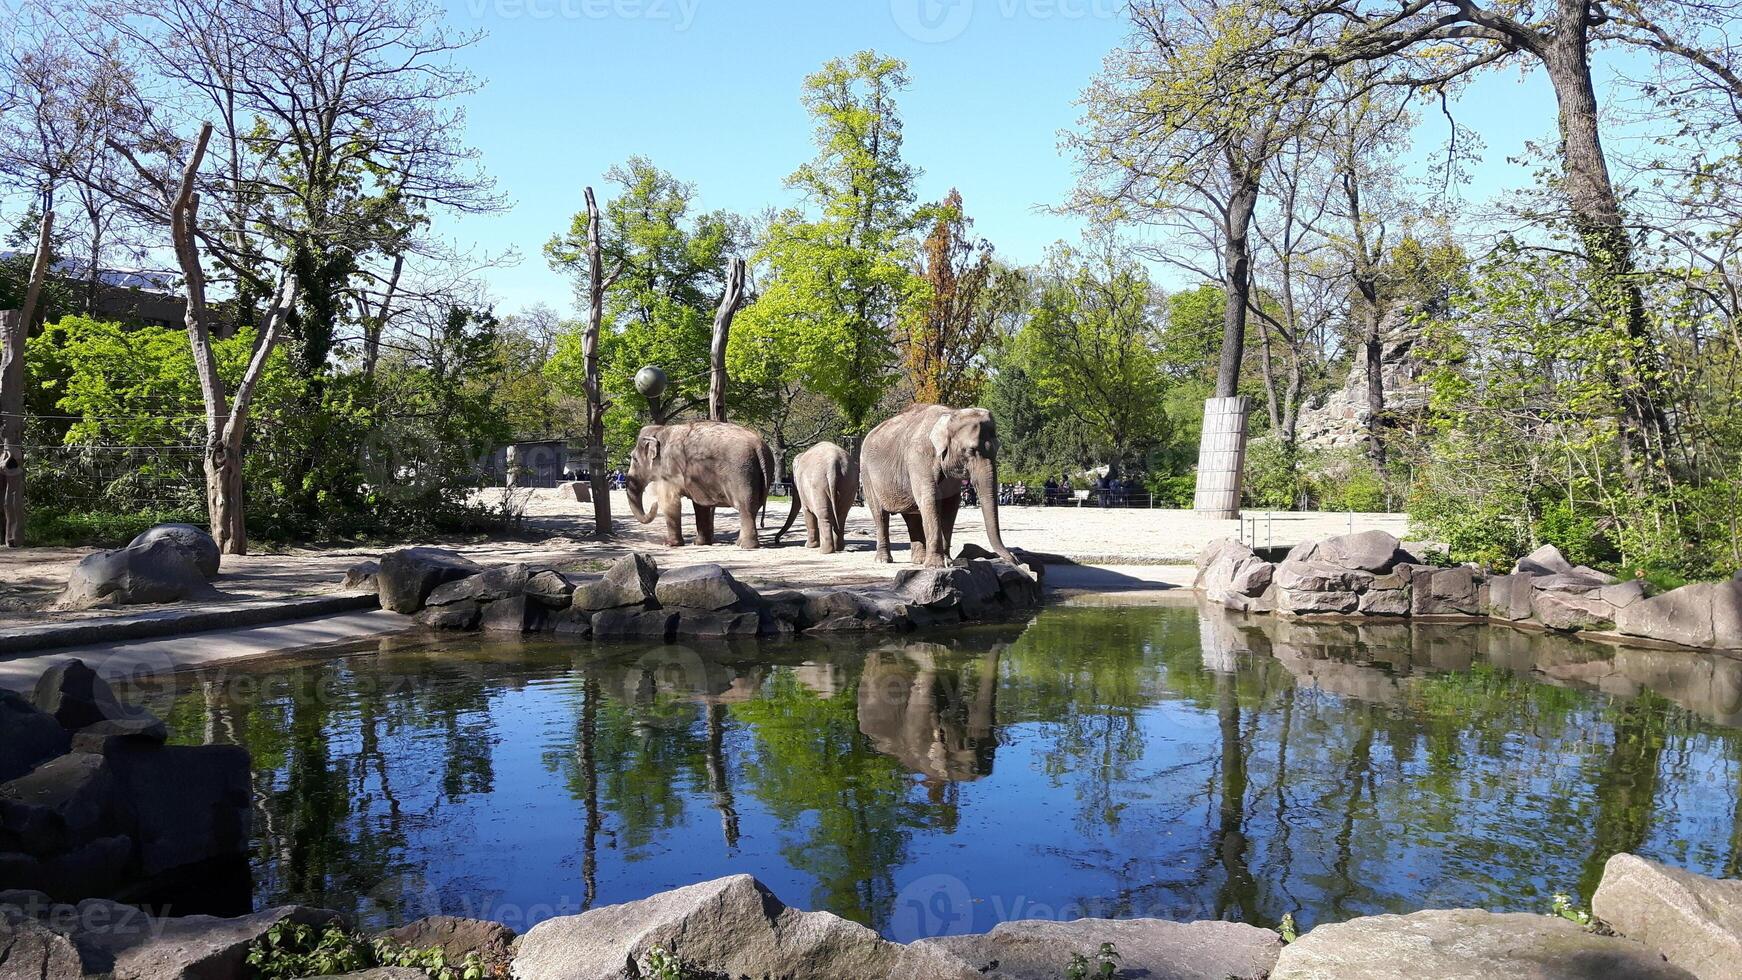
<point x="983" y="473"/>
<point x="633" y="489"/>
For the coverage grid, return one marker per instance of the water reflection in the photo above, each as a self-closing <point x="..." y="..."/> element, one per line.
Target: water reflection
<point x="1109" y="761"/>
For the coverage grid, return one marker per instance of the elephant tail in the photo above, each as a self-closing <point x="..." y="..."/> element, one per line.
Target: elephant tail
<point x="791" y="515"/>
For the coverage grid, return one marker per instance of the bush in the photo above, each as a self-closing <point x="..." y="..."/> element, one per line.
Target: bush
<point x="101" y="528"/>
<point x="290" y="951"/>
<point x="1172" y="491"/>
<point x="1350" y="481"/>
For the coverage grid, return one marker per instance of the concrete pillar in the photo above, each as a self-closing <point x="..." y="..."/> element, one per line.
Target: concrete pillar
<point x="1222" y="457"/>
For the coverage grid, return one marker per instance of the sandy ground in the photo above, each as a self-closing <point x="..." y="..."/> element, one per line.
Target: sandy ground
<point x="556" y="533"/>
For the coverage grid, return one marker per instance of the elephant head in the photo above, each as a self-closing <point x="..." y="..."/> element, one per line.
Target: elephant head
<point x="644" y="472"/>
<point x="965" y="441"/>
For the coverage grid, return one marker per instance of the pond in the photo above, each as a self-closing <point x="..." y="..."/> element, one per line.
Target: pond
<point x="1110" y="761"/>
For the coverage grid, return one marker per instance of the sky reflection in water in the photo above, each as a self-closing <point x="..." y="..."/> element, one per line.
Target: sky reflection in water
<point x="1105" y="761"/>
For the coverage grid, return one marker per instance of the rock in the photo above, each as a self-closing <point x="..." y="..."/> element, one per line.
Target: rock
<point x="384" y="973"/>
<point x="514" y="614"/>
<point x="1705" y="614"/>
<point x="1509" y="597"/>
<point x="1622" y="594"/>
<point x="1694" y="921"/>
<point x="459" y="616"/>
<point x="32" y="951"/>
<point x="196" y="541"/>
<point x="1018" y="587"/>
<point x="715" y="622"/>
<point x="1568" y="582"/>
<point x="1466" y="944"/>
<point x="1363" y="551"/>
<point x="704" y="586"/>
<point x="1232" y="570"/>
<point x="630" y="582"/>
<point x="1445" y="591"/>
<point x="1318" y="576"/>
<point x="658" y="624"/>
<point x="79" y="699"/>
<point x="33" y="904"/>
<point x="458" y="938"/>
<point x="1320" y="603"/>
<point x="972" y="588"/>
<point x="63" y="805"/>
<point x="190" y="803"/>
<point x="1041" y="950"/>
<point x="193" y="947"/>
<point x="1569" y="611"/>
<point x="783" y="610"/>
<point x="95" y="868"/>
<point x="1586" y="571"/>
<point x="409" y="575"/>
<point x="28" y="736"/>
<point x="160" y="571"/>
<point x="549" y="588"/>
<point x="1384" y="602"/>
<point x="1546" y="560"/>
<point x="362" y="577"/>
<point x="733" y="927"/>
<point x="570" y="623"/>
<point x="846" y="611"/>
<point x="579" y="489"/>
<point x="486" y="586"/>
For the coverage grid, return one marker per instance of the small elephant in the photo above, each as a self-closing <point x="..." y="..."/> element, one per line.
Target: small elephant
<point x="825" y="481"/>
<point x="715" y="464"/>
<point x="914" y="465"/>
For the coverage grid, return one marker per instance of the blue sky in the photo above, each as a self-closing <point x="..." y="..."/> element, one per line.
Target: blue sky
<point x="708" y="89"/>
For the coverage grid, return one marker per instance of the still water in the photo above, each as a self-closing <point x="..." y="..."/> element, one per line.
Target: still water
<point x="1097" y="760"/>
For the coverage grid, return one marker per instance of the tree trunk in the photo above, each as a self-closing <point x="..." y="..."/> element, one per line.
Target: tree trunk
<point x="374" y="327"/>
<point x="1222" y="442"/>
<point x="596" y="475"/>
<point x="729" y="305"/>
<point x="14" y="328"/>
<point x="224" y="496"/>
<point x="1363" y="270"/>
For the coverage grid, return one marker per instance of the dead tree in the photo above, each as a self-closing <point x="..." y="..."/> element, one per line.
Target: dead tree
<point x="14" y="327"/>
<point x="597" y="284"/>
<point x="730" y="302"/>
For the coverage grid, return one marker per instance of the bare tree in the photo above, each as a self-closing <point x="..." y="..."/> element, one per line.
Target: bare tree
<point x="598" y="281"/>
<point x="730" y="302"/>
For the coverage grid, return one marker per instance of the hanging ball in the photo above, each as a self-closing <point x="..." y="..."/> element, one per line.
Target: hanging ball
<point x="650" y="381"/>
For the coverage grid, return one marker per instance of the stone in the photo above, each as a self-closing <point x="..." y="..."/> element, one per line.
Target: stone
<point x="658" y="624"/>
<point x="1569" y="611"/>
<point x="1568" y="582"/>
<point x="570" y="622"/>
<point x="784" y="610"/>
<point x="32" y="951"/>
<point x="1445" y="591"/>
<point x="1363" y="551"/>
<point x="847" y="611"/>
<point x="1018" y="587"/>
<point x="409" y="575"/>
<point x="97" y="867"/>
<point x="362" y="577"/>
<point x="79" y="699"/>
<point x="707" y="623"/>
<point x="1705" y="614"/>
<point x="1509" y="597"/>
<point x="1317" y="576"/>
<point x="1384" y="602"/>
<point x="732" y="927"/>
<point x="1233" y="570"/>
<point x="384" y="973"/>
<point x="159" y="571"/>
<point x="514" y="614"/>
<point x="1466" y="944"/>
<point x="190" y="803"/>
<point x="1316" y="603"/>
<point x="192" y="947"/>
<point x="62" y="805"/>
<point x="459" y="616"/>
<point x="28" y="736"/>
<point x="1623" y="594"/>
<point x="973" y="588"/>
<point x="1546" y="560"/>
<point x="1041" y="950"/>
<point x="1586" y="571"/>
<point x="487" y="586"/>
<point x="459" y="938"/>
<point x="630" y="582"/>
<point x="1694" y="921"/>
<point x="196" y="541"/>
<point x="704" y="586"/>
<point x="550" y="589"/>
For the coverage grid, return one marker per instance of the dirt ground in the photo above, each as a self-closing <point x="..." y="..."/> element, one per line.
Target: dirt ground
<point x="557" y="532"/>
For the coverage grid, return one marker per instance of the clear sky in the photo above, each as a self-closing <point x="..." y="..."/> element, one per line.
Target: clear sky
<point x="708" y="89"/>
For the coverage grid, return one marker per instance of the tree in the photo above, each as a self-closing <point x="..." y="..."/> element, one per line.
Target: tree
<point x="840" y="276"/>
<point x="955" y="318"/>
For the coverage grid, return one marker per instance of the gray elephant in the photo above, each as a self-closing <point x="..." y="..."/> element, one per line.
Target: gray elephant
<point x="825" y="481"/>
<point x="914" y="465"/>
<point x="715" y="464"/>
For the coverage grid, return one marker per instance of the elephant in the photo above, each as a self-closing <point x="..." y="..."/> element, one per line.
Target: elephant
<point x="715" y="464"/>
<point x="825" y="480"/>
<point x="914" y="465"/>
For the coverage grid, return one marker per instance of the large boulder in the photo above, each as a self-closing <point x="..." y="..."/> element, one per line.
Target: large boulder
<point x="457" y="938"/>
<point x="1509" y="597"/>
<point x="1466" y="944"/>
<point x="732" y="927"/>
<point x="1362" y="551"/>
<point x="409" y="575"/>
<point x="1694" y="921"/>
<point x="1705" y="614"/>
<point x="630" y="582"/>
<point x="455" y="616"/>
<point x="854" y="611"/>
<point x="362" y="577"/>
<point x="633" y="623"/>
<point x="80" y="700"/>
<point x="158" y="571"/>
<point x="1311" y="603"/>
<point x="1546" y="560"/>
<point x="32" y="951"/>
<point x="190" y="803"/>
<point x="1568" y="611"/>
<point x="63" y="805"/>
<point x="971" y="589"/>
<point x="513" y="614"/>
<point x="716" y="623"/>
<point x="1228" y="571"/>
<point x="1445" y="591"/>
<point x="192" y="947"/>
<point x="704" y="586"/>
<point x="500" y="582"/>
<point x="28" y="736"/>
<point x="1042" y="950"/>
<point x="196" y="540"/>
<point x="1313" y="575"/>
<point x="551" y="589"/>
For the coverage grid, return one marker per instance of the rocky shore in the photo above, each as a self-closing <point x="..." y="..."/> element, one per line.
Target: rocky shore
<point x="1651" y="921"/>
<point x="1369" y="574"/>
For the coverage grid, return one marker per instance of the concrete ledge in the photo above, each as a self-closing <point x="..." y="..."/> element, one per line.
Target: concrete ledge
<point x="172" y="621"/>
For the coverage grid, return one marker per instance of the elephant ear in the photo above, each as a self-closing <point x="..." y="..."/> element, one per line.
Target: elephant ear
<point x="940" y="433"/>
<point x="651" y="445"/>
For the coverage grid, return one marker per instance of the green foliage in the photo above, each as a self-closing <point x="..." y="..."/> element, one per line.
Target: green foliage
<point x="290" y="951"/>
<point x="1273" y="476"/>
<point x="1289" y="931"/>
<point x="1104" y="965"/>
<point x="1563" y="906"/>
<point x="661" y="965"/>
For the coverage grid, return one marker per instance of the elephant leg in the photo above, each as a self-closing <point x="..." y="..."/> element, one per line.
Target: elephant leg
<point x="810" y="529"/>
<point x="918" y="542"/>
<point x="704" y="525"/>
<point x="673" y="508"/>
<point x="747" y="539"/>
<point x="936" y="553"/>
<point x="947" y="510"/>
<point x="880" y="528"/>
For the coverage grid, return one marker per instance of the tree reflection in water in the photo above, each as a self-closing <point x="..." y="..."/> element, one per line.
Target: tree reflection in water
<point x="1109" y="761"/>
